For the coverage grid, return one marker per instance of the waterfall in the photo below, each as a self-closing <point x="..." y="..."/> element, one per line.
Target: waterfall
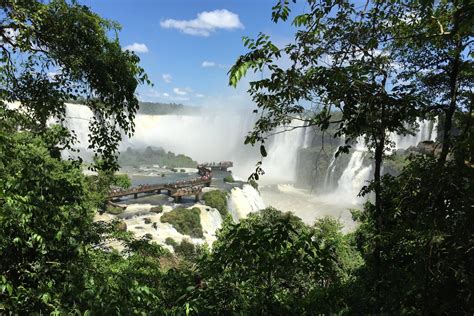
<point x="280" y="165"/>
<point x="329" y="178"/>
<point x="242" y="202"/>
<point x="203" y="138"/>
<point x="356" y="173"/>
<point x="210" y="136"/>
<point x="213" y="135"/>
<point x="426" y="130"/>
<point x="211" y="221"/>
<point x="354" y="176"/>
<point x="308" y="137"/>
<point x="77" y="119"/>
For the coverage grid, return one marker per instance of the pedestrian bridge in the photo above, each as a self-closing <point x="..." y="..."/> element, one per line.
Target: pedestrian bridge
<point x="177" y="189"/>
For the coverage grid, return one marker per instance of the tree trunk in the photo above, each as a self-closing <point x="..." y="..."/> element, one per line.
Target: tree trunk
<point x="378" y="157"/>
<point x="453" y="91"/>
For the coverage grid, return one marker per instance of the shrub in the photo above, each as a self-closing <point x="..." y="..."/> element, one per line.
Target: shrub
<point x="155" y="156"/>
<point x="121" y="226"/>
<point x="171" y="242"/>
<point x="186" y="249"/>
<point x="122" y="181"/>
<point x="254" y="184"/>
<point x="115" y="210"/>
<point x="287" y="267"/>
<point x="186" y="221"/>
<point x="217" y="199"/>
<point x="157" y="209"/>
<point x="229" y="179"/>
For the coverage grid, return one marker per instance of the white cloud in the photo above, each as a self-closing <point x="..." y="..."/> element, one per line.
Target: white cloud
<point x="208" y="64"/>
<point x="205" y="23"/>
<point x="166" y="95"/>
<point x="211" y="64"/>
<point x="179" y="91"/>
<point x="199" y="95"/>
<point x="167" y="78"/>
<point x="137" y="48"/>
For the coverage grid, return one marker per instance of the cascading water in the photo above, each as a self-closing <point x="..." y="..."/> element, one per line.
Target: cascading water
<point x="77" y="119"/>
<point x="308" y="137"/>
<point x="210" y="136"/>
<point x="354" y="176"/>
<point x="280" y="165"/>
<point x="358" y="170"/>
<point x="427" y="130"/>
<point x="329" y="178"/>
<point x="216" y="135"/>
<point x="242" y="202"/>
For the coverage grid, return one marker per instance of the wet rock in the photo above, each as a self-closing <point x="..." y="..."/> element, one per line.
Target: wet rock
<point x="121" y="226"/>
<point x="157" y="209"/>
<point x="427" y="148"/>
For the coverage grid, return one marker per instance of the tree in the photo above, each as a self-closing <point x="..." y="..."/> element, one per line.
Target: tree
<point x="56" y="51"/>
<point x="383" y="64"/>
<point x="339" y="60"/>
<point x="433" y="40"/>
<point x="45" y="219"/>
<point x="425" y="243"/>
<point x="272" y="264"/>
<point x="50" y="53"/>
<point x="129" y="284"/>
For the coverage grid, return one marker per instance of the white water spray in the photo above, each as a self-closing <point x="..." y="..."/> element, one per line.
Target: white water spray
<point x="244" y="201"/>
<point x="280" y="165"/>
<point x="329" y="178"/>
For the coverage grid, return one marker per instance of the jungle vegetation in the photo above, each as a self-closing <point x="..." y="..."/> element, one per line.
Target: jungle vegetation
<point x="382" y="65"/>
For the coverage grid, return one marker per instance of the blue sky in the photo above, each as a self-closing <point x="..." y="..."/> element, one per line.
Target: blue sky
<point x="187" y="46"/>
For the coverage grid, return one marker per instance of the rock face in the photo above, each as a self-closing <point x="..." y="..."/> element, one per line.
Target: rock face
<point x="157" y="209"/>
<point x="319" y="171"/>
<point x="427" y="148"/>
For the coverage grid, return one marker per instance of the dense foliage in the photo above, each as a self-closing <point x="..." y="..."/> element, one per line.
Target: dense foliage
<point x="273" y="264"/>
<point x="229" y="179"/>
<point x="56" y="51"/>
<point x="411" y="253"/>
<point x="45" y="221"/>
<point x="218" y="200"/>
<point x="383" y="65"/>
<point x="187" y="221"/>
<point x="155" y="156"/>
<point x="151" y="108"/>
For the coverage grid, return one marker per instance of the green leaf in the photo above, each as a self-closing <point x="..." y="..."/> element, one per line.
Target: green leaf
<point x="263" y="151"/>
